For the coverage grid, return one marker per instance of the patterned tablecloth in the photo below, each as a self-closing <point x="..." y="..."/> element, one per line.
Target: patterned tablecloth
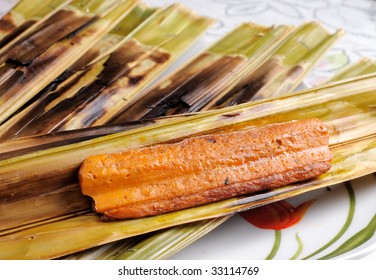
<point x="356" y="18"/>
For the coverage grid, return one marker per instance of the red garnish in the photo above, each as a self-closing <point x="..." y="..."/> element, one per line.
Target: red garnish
<point x="277" y="215"/>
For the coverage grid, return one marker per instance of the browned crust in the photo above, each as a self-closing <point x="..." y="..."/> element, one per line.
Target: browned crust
<point x="199" y="170"/>
<point x="225" y="191"/>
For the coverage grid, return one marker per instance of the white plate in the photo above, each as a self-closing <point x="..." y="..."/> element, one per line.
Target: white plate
<point x="340" y="216"/>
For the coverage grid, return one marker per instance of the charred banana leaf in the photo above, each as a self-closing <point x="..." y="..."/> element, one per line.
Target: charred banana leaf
<point x="26" y="145"/>
<point x="191" y="79"/>
<point x="226" y="46"/>
<point x="27" y="74"/>
<point x="24" y="15"/>
<point x="236" y="75"/>
<point x="166" y="36"/>
<point x="284" y="70"/>
<point x="123" y="74"/>
<point x="207" y="75"/>
<point x="353" y="144"/>
<point x="110" y="41"/>
<point x="51" y="29"/>
<point x="52" y="94"/>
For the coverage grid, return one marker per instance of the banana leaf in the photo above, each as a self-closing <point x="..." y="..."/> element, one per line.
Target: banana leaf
<point x="52" y="93"/>
<point x="284" y="70"/>
<point x="20" y="83"/>
<point x="26" y="14"/>
<point x="356" y="97"/>
<point x="222" y="46"/>
<point x="208" y="74"/>
<point x="164" y="243"/>
<point x="122" y="75"/>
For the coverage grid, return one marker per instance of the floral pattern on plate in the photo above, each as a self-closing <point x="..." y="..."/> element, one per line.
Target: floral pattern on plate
<point x="340" y="223"/>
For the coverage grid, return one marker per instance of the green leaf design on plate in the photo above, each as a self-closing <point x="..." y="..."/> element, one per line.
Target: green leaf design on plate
<point x="300" y="247"/>
<point x="349" y="219"/>
<point x="355" y="241"/>
<point x="277" y="243"/>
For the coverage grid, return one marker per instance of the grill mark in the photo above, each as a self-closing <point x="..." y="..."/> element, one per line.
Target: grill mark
<point x="295" y="72"/>
<point x="74" y="35"/>
<point x="250" y="90"/>
<point x="29" y="73"/>
<point x="250" y="85"/>
<point x="245" y="90"/>
<point x="133" y="81"/>
<point x="191" y="94"/>
<point x="80" y="64"/>
<point x="28" y="123"/>
<point x="218" y="70"/>
<point x="147" y="102"/>
<point x="104" y="79"/>
<point x="174" y="99"/>
<point x="160" y="57"/>
<point x="39" y="64"/>
<point x="115" y="67"/>
<point x="45" y="59"/>
<point x="197" y="100"/>
<point x="15" y="32"/>
<point x="10" y="83"/>
<point x="51" y="180"/>
<point x="60" y="25"/>
<point x="288" y="78"/>
<point x="5" y="72"/>
<point x="233" y="115"/>
<point x="98" y="108"/>
<point x="57" y="115"/>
